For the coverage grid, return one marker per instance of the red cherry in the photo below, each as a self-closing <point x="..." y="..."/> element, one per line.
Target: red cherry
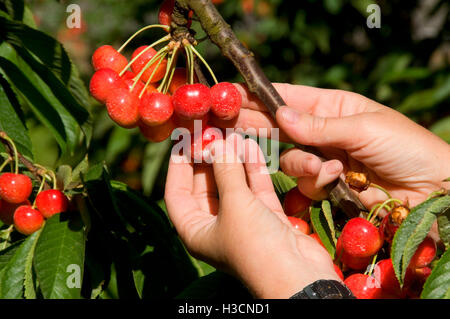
<point x="300" y="224"/>
<point x="350" y="261"/>
<point x="7" y="211"/>
<point x="414" y="281"/>
<point x="180" y="78"/>
<point x="142" y="61"/>
<point x="27" y="220"/>
<point x="123" y="108"/>
<point x="155" y="108"/>
<point x="128" y="75"/>
<point x="51" y="202"/>
<point x="199" y="141"/>
<point x="424" y="254"/>
<point x="338" y="271"/>
<point x="15" y="188"/>
<point x="360" y="238"/>
<point x="191" y="124"/>
<point x="157" y="133"/>
<point x="192" y="101"/>
<point x="296" y="204"/>
<point x="103" y="84"/>
<point x="137" y="88"/>
<point x="226" y="100"/>
<point x="387" y="228"/>
<point x="165" y="13"/>
<point x="385" y="274"/>
<point x="364" y="286"/>
<point x="108" y="57"/>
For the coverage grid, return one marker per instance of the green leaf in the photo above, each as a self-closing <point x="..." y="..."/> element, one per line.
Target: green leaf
<point x="413" y="231"/>
<point x="320" y="225"/>
<point x="326" y="208"/>
<point x="153" y="159"/>
<point x="442" y="128"/>
<point x="11" y="119"/>
<point x="444" y="227"/>
<point x="282" y="182"/>
<point x="437" y="285"/>
<point x="59" y="255"/>
<point x="13" y="274"/>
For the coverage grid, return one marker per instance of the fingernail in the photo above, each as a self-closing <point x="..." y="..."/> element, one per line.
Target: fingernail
<point x="334" y="168"/>
<point x="289" y="115"/>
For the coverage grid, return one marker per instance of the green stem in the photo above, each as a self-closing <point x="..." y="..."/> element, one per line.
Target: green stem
<point x="164" y="39"/>
<point x="167" y="28"/>
<point x="385" y="203"/>
<point x="40" y="190"/>
<point x="204" y="62"/>
<point x="13" y="146"/>
<point x="153" y="73"/>
<point x="148" y="65"/>
<point x="381" y="189"/>
<point x="6" y="162"/>
<point x="170" y="66"/>
<point x="372" y="266"/>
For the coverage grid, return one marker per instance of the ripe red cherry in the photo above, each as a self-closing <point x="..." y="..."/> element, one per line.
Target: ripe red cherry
<point x="364" y="286"/>
<point x="123" y="108"/>
<point x="192" y="101"/>
<point x="157" y="133"/>
<point x="27" y="220"/>
<point x="7" y="211"/>
<point x="199" y="141"/>
<point x="350" y="261"/>
<point x="103" y="84"/>
<point x="385" y="274"/>
<point x="51" y="202"/>
<point x="296" y="204"/>
<point x="360" y="238"/>
<point x="300" y="224"/>
<point x="108" y="57"/>
<point x="15" y="188"/>
<point x="165" y="13"/>
<point x="424" y="254"/>
<point x="226" y="100"/>
<point x="155" y="108"/>
<point x="137" y="88"/>
<point x="387" y="228"/>
<point x="142" y="61"/>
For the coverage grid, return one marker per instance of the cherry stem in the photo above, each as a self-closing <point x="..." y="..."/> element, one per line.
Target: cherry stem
<point x="165" y="27"/>
<point x="162" y="56"/>
<point x="381" y="189"/>
<point x="164" y="39"/>
<point x="439" y="192"/>
<point x="41" y="187"/>
<point x="6" y="162"/>
<point x="372" y="266"/>
<point x="204" y="62"/>
<point x="13" y="146"/>
<point x="164" y="86"/>
<point x="380" y="207"/>
<point x="148" y="65"/>
<point x="190" y="64"/>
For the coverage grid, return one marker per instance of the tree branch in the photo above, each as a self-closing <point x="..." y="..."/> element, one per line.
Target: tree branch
<point x="223" y="36"/>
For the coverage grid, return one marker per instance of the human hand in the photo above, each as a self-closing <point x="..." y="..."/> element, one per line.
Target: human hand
<point x="228" y="214"/>
<point x="357" y="134"/>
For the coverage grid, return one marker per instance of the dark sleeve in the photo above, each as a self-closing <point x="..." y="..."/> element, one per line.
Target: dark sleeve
<point x="324" y="289"/>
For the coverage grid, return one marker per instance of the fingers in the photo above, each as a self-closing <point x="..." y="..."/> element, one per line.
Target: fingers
<point x="259" y="178"/>
<point x="303" y="128"/>
<point x="297" y="163"/>
<point x="205" y="190"/>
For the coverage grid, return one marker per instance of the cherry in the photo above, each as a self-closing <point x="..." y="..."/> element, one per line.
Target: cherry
<point x="192" y="101"/>
<point x="155" y="108"/>
<point x="157" y="133"/>
<point x="7" y="211"/>
<point x="387" y="228"/>
<point x="108" y="57"/>
<point x="226" y="100"/>
<point x="424" y="254"/>
<point x="350" y="261"/>
<point x="363" y="286"/>
<point x="338" y="271"/>
<point x="190" y="124"/>
<point x="165" y="13"/>
<point x="51" y="202"/>
<point x="414" y="281"/>
<point x="123" y="107"/>
<point x="360" y="238"/>
<point x="142" y="61"/>
<point x="103" y="84"/>
<point x="296" y="204"/>
<point x="128" y="75"/>
<point x="15" y="188"/>
<point x="300" y="224"/>
<point x="137" y="88"/>
<point x="200" y="141"/>
<point x="384" y="272"/>
<point x="27" y="220"/>
<point x="180" y="78"/>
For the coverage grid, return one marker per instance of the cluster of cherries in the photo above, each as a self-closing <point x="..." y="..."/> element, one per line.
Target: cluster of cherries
<point x="16" y="208"/>
<point x="358" y="246"/>
<point x="148" y="92"/>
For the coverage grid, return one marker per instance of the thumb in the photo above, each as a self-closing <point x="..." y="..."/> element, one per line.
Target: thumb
<point x="312" y="130"/>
